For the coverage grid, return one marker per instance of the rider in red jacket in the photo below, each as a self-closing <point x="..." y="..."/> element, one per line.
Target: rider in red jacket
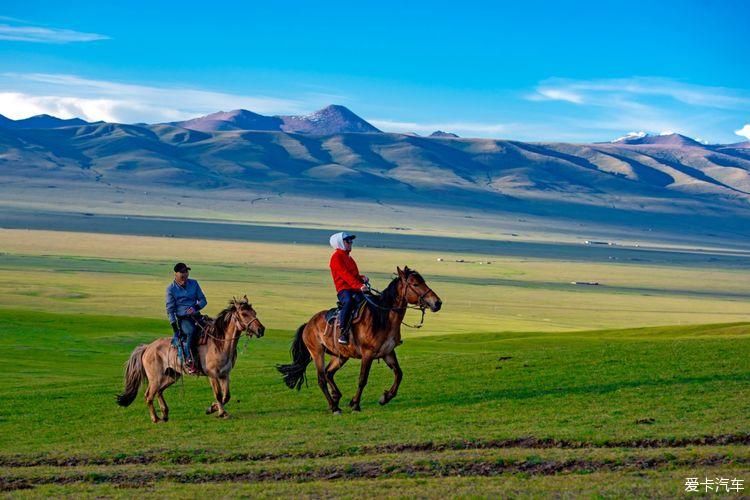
<point x="349" y="283"/>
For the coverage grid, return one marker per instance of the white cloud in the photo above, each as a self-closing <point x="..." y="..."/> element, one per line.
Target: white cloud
<point x="556" y="94"/>
<point x="67" y="96"/>
<point x="38" y="34"/>
<point x="744" y="132"/>
<point x="17" y="105"/>
<point x="623" y="91"/>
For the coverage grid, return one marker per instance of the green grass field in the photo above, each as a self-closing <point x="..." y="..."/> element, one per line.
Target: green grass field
<point x="522" y="385"/>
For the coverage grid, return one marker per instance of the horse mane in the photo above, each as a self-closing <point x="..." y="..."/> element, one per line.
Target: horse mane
<point x="386" y="301"/>
<point x="216" y="328"/>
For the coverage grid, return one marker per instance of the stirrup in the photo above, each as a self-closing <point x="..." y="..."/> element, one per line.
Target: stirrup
<point x="343" y="339"/>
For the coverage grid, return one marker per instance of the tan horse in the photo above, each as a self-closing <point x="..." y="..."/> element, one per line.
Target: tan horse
<point x="158" y="361"/>
<point x="375" y="336"/>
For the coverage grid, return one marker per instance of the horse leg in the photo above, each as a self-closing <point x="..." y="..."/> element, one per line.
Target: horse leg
<point x="331" y="370"/>
<point x="163" y="406"/>
<point x="392" y="362"/>
<point x="364" y="372"/>
<point x="224" y="384"/>
<point x="155" y="380"/>
<point x="160" y="396"/>
<point x="151" y="391"/>
<point x="320" y="358"/>
<point x="216" y="405"/>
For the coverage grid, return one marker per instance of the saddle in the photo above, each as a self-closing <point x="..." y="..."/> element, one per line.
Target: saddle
<point x="333" y="313"/>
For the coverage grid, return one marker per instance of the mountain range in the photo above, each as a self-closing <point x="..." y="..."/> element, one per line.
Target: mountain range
<point x="333" y="153"/>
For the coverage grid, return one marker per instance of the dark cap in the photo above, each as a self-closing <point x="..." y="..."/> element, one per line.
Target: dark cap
<point x="181" y="266"/>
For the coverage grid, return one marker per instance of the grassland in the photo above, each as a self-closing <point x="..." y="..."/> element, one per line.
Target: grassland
<point x="522" y="385"/>
<point x="126" y="276"/>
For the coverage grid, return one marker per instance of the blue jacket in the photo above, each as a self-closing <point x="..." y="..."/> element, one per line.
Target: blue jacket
<point x="180" y="298"/>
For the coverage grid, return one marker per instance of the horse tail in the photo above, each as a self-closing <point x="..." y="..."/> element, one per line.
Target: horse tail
<point x="294" y="374"/>
<point x="134" y="374"/>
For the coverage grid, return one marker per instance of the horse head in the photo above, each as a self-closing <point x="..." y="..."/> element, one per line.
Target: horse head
<point x="247" y="318"/>
<point x="416" y="291"/>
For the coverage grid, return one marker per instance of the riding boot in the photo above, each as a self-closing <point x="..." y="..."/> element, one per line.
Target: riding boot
<point x="344" y="337"/>
<point x="344" y="321"/>
<point x="190" y="366"/>
<point x="195" y="360"/>
<point x="190" y="331"/>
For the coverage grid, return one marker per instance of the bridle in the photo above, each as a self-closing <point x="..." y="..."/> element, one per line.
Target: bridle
<point x="421" y="304"/>
<point x="420" y="298"/>
<point x="245" y="328"/>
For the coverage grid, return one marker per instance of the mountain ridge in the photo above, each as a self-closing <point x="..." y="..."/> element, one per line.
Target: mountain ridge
<point x="384" y="166"/>
<point x="330" y="120"/>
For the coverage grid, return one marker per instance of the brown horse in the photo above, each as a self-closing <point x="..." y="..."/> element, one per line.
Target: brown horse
<point x="375" y="336"/>
<point x="158" y="360"/>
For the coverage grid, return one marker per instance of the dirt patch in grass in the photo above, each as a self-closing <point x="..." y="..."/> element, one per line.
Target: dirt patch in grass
<point x="375" y="470"/>
<point x="531" y="442"/>
<point x="207" y="456"/>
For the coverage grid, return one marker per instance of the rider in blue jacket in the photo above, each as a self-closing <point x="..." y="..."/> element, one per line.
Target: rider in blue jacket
<point x="184" y="300"/>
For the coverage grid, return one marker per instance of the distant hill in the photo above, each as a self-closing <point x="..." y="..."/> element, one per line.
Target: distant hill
<point x="239" y="119"/>
<point x="662" y="139"/>
<point x="6" y="122"/>
<point x="665" y="174"/>
<point x="334" y="162"/>
<point x="41" y="121"/>
<point x="330" y="120"/>
<point x="440" y="133"/>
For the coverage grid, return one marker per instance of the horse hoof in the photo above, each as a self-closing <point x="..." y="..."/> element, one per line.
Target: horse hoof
<point x="337" y="412"/>
<point x="223" y="415"/>
<point x="385" y="398"/>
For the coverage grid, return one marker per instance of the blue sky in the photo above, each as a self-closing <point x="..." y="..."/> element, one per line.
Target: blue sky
<point x="567" y="71"/>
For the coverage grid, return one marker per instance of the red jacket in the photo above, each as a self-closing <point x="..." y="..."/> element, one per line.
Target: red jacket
<point x="345" y="272"/>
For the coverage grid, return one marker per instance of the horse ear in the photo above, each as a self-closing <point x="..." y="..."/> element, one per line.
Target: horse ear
<point x="400" y="272"/>
<point x="245" y="299"/>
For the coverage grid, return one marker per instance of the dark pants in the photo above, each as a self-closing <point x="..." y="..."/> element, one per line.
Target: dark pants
<point x="190" y="329"/>
<point x="349" y="300"/>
